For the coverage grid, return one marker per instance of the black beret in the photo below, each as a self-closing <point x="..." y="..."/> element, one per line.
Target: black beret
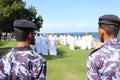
<point x="109" y="19"/>
<point x="24" y="24"/>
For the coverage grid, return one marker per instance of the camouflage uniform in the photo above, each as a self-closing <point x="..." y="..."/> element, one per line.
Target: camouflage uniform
<point x="104" y="62"/>
<point x="22" y="63"/>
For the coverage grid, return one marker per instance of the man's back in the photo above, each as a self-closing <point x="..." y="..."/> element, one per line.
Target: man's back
<point x="105" y="62"/>
<point x="22" y="63"/>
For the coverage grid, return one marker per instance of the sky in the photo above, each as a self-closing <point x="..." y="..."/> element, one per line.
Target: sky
<point x="62" y="16"/>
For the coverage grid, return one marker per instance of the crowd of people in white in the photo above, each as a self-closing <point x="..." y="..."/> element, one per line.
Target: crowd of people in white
<point x="6" y="36"/>
<point x="45" y="45"/>
<point x="84" y="42"/>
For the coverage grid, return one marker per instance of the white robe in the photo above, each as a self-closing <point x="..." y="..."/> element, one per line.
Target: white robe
<point x="72" y="45"/>
<point x="44" y="46"/>
<point x="38" y="44"/>
<point x="83" y="43"/>
<point x="61" y="39"/>
<point x="68" y="39"/>
<point x="52" y="49"/>
<point x="64" y="40"/>
<point x="79" y="41"/>
<point x="90" y="42"/>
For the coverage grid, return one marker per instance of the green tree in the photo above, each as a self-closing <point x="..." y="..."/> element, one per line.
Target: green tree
<point x="11" y="10"/>
<point x="7" y="8"/>
<point x="39" y="21"/>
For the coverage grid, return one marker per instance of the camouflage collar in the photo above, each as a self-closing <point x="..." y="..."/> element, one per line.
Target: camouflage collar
<point x="111" y="42"/>
<point x="24" y="48"/>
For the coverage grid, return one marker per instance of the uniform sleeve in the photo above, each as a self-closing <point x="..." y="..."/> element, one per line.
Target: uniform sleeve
<point x="92" y="73"/>
<point x="1" y="70"/>
<point x="42" y="75"/>
<point x="39" y="70"/>
<point x="4" y="69"/>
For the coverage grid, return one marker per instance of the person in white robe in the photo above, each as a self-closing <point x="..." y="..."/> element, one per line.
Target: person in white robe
<point x="90" y="39"/>
<point x="61" y="39"/>
<point x="44" y="45"/>
<point x="68" y="39"/>
<point x="76" y="41"/>
<point x="79" y="41"/>
<point x="9" y="36"/>
<point x="72" y="44"/>
<point x="83" y="42"/>
<point x="52" y="48"/>
<point x="65" y="40"/>
<point x="38" y="43"/>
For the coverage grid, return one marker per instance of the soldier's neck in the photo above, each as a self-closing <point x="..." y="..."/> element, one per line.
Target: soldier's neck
<point x="22" y="44"/>
<point x="109" y="38"/>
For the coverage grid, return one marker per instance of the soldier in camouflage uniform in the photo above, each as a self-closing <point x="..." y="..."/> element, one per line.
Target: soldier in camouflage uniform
<point x="104" y="62"/>
<point x="21" y="62"/>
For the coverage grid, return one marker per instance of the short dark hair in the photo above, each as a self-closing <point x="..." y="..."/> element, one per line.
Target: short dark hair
<point x="21" y="34"/>
<point x="110" y="29"/>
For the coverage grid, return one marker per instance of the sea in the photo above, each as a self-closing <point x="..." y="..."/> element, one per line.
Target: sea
<point x="94" y="34"/>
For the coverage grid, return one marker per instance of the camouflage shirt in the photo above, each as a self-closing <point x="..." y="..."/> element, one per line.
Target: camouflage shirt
<point x="22" y="63"/>
<point x="104" y="62"/>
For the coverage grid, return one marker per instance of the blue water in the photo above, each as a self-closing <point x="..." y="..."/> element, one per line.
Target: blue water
<point x="94" y="34"/>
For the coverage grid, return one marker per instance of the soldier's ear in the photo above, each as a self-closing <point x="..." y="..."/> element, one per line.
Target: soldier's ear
<point x="30" y="35"/>
<point x="101" y="31"/>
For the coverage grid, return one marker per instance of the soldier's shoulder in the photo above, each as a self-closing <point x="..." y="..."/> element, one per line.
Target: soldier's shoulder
<point x="95" y="50"/>
<point x="5" y="53"/>
<point x="41" y="58"/>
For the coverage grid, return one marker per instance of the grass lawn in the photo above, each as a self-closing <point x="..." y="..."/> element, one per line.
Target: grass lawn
<point x="68" y="65"/>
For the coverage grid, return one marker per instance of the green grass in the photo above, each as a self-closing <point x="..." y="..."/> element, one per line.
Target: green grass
<point x="68" y="65"/>
<point x="6" y="46"/>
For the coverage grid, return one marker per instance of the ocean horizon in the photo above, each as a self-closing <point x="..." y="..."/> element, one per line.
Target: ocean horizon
<point x="94" y="34"/>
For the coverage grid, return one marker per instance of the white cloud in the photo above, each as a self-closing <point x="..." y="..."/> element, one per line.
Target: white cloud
<point x="59" y="28"/>
<point x="63" y="25"/>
